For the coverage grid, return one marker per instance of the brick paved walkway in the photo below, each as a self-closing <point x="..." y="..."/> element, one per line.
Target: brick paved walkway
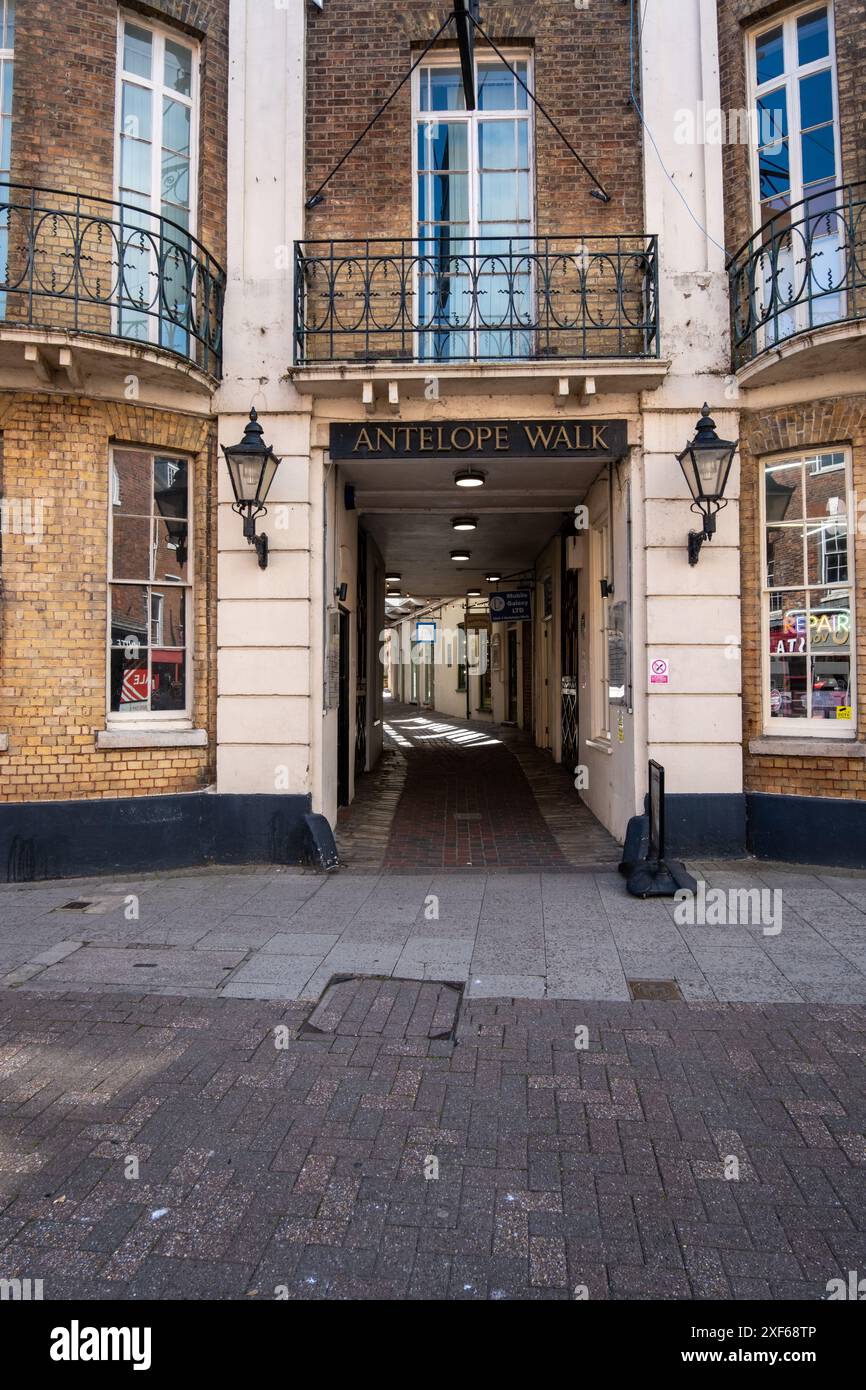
<point x="454" y="794"/>
<point x="299" y="1170"/>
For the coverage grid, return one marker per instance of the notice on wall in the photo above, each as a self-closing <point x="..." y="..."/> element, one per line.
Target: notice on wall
<point x="332" y="660"/>
<point x="660" y="671"/>
<point x="617" y="653"/>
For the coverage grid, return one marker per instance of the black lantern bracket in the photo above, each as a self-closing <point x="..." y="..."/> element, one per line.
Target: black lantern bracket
<point x="706" y="463"/>
<point x="252" y="465"/>
<point x="697" y="538"/>
<point x="259" y="541"/>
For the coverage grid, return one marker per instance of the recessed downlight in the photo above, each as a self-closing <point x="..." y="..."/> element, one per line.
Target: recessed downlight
<point x="473" y="593"/>
<point x="460" y="555"/>
<point x="393" y="578"/>
<point x="493" y="578"/>
<point x="470" y="477"/>
<point x="464" y="523"/>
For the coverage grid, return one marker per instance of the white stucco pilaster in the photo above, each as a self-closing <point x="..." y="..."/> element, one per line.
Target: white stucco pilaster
<point x="264" y="630"/>
<point x="691" y="614"/>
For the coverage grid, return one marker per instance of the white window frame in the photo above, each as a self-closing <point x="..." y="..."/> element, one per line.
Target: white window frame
<point x="168" y="720"/>
<point x="790" y="80"/>
<point x="7" y="59"/>
<point x="807" y="728"/>
<point x="161" y="32"/>
<point x="448" y="58"/>
<point x="7" y="56"/>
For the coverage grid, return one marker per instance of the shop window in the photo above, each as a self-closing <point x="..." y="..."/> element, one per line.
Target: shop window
<point x="150" y="580"/>
<point x="808" y="589"/>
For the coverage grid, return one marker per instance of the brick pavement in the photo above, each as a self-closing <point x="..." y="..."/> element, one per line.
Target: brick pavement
<point x="455" y="793"/>
<point x="299" y="1170"/>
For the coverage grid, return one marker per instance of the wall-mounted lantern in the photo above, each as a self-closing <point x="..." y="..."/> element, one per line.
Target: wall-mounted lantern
<point x="252" y="465"/>
<point x="706" y="463"/>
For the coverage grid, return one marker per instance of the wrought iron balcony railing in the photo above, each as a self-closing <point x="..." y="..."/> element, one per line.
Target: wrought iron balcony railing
<point x="90" y="265"/>
<point x="804" y="269"/>
<point x="478" y="299"/>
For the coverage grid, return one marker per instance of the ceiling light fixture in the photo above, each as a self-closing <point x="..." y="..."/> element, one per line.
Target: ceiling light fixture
<point x="460" y="555"/>
<point x="492" y="578"/>
<point x="470" y="477"/>
<point x="464" y="523"/>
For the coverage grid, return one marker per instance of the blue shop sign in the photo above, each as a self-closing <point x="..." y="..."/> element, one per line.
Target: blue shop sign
<point x="511" y="606"/>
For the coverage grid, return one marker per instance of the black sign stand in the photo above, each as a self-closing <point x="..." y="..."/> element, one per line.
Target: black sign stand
<point x="648" y="874"/>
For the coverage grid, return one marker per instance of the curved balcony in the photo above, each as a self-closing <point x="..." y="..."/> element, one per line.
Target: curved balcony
<point x="71" y="264"/>
<point x="800" y="282"/>
<point x="494" y="306"/>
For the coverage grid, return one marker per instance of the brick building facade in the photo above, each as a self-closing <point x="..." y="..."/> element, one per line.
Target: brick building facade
<point x="801" y="377"/>
<point x="109" y="339"/>
<point x="463" y="268"/>
<point x="581" y="65"/>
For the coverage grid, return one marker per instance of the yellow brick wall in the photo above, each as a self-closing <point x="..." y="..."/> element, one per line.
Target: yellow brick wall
<point x="53" y="605"/>
<point x="821" y="424"/>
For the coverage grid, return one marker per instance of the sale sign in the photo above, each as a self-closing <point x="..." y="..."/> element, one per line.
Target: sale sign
<point x="134" y="688"/>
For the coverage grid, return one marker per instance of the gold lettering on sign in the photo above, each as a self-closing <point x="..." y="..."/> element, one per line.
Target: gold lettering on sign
<point x="484" y="433"/>
<point x="426" y="433"/>
<point x="441" y="446"/>
<point x="363" y="441"/>
<point x="470" y="438"/>
<point x="538" y="436"/>
<point x="389" y="436"/>
<point x="502" y="441"/>
<point x="598" y="439"/>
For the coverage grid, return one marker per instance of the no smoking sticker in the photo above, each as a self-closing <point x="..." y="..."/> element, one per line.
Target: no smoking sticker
<point x="660" y="671"/>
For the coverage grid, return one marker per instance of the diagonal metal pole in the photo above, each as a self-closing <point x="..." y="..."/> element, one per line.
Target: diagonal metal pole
<point x="600" y="191"/>
<point x="315" y="198"/>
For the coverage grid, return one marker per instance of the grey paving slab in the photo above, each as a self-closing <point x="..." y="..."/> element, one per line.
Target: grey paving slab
<point x="744" y="976"/>
<point x="728" y="938"/>
<point x="508" y="959"/>
<point x="282" y="974"/>
<point x="349" y="957"/>
<point x="587" y="983"/>
<point x="301" y="943"/>
<point x="580" y="932"/>
<point x="235" y="932"/>
<point x="484" y="986"/>
<point x="429" y="955"/>
<point x="142" y="969"/>
<point x="56" y="953"/>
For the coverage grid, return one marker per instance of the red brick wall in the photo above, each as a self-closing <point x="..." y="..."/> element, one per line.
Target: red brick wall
<point x="357" y="51"/>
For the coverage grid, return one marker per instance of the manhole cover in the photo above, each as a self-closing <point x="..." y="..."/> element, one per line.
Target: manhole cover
<point x="93" y="906"/>
<point x="654" y="989"/>
<point x="380" y="1006"/>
